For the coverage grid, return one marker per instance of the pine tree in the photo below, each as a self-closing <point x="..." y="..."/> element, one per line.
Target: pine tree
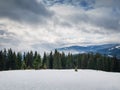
<point x="84" y="61"/>
<point x="79" y="60"/>
<point x="19" y="60"/>
<point x="23" y="65"/>
<point x="59" y="61"/>
<point x="44" y="61"/>
<point x="1" y="61"/>
<point x="63" y="61"/>
<point x="51" y="61"/>
<point x="91" y="62"/>
<point x="69" y="62"/>
<point x="37" y="62"/>
<point x="5" y="58"/>
<point x="14" y="61"/>
<point x="29" y="60"/>
<point x="55" y="58"/>
<point x="11" y="59"/>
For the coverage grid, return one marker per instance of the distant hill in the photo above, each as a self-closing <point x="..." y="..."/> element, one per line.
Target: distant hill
<point x="107" y="49"/>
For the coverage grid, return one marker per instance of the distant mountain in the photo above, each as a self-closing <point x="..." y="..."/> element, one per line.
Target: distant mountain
<point x="107" y="49"/>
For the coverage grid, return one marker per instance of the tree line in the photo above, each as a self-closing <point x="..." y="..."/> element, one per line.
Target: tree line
<point x="11" y="60"/>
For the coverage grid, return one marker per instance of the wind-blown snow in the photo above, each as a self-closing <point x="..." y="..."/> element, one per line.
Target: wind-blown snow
<point x="59" y="80"/>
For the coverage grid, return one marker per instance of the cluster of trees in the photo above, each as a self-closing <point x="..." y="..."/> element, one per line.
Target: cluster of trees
<point x="10" y="60"/>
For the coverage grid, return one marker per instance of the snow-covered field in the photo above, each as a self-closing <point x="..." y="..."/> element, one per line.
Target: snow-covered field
<point x="59" y="80"/>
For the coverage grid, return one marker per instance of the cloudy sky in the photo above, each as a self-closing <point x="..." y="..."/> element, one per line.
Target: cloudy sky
<point x="47" y="24"/>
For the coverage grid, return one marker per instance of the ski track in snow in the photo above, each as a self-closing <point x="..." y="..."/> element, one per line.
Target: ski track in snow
<point x="59" y="80"/>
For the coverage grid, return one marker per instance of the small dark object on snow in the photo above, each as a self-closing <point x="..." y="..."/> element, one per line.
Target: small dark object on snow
<point x="76" y="69"/>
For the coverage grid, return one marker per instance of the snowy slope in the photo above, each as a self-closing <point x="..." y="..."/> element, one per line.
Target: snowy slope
<point x="59" y="80"/>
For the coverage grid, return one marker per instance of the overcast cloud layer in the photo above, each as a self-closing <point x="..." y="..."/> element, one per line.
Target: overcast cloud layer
<point x="47" y="24"/>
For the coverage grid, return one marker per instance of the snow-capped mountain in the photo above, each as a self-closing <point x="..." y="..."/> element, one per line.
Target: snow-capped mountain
<point x="107" y="49"/>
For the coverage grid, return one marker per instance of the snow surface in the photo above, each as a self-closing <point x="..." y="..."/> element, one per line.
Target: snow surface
<point x="59" y="80"/>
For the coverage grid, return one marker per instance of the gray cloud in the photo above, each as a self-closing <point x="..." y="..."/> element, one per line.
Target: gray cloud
<point x="64" y="23"/>
<point x="2" y="32"/>
<point x="108" y="9"/>
<point x="85" y="4"/>
<point x="109" y="23"/>
<point x="10" y="41"/>
<point x="29" y="11"/>
<point x="8" y="38"/>
<point x="44" y="45"/>
<point x="5" y="32"/>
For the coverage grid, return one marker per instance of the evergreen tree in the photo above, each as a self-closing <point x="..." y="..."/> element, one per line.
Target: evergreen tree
<point x="91" y="61"/>
<point x="84" y="61"/>
<point x="29" y="60"/>
<point x="23" y="65"/>
<point x="63" y="61"/>
<point x="37" y="62"/>
<point x="55" y="58"/>
<point x="5" y="58"/>
<point x="59" y="64"/>
<point x="19" y="60"/>
<point x="79" y="60"/>
<point x="69" y="62"/>
<point x="11" y="59"/>
<point x="51" y="61"/>
<point x="14" y="61"/>
<point x="44" y="62"/>
<point x="1" y="61"/>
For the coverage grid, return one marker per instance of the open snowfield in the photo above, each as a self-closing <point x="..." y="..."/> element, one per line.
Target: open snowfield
<point x="59" y="80"/>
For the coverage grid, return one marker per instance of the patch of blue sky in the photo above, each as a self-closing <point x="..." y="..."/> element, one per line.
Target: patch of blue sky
<point x="85" y="4"/>
<point x="53" y="2"/>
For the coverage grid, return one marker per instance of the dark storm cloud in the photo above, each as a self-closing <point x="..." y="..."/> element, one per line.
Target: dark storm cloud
<point x="24" y="10"/>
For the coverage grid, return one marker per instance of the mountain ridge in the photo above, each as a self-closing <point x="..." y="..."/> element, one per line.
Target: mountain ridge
<point x="106" y="49"/>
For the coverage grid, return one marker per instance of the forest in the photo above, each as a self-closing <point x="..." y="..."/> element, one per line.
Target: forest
<point x="11" y="60"/>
